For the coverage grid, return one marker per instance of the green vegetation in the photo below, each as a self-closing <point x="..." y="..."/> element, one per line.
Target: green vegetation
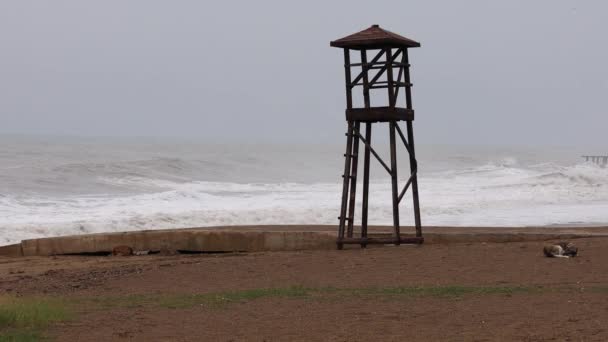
<point x="183" y="301"/>
<point x="222" y="298"/>
<point x="599" y="289"/>
<point x="20" y="336"/>
<point x="440" y="291"/>
<point x="216" y="299"/>
<point x="24" y="319"/>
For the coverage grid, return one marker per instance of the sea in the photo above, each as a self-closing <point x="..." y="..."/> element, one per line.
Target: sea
<point x="53" y="186"/>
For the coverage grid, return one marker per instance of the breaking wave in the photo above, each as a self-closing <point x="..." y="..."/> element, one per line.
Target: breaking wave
<point x="61" y="197"/>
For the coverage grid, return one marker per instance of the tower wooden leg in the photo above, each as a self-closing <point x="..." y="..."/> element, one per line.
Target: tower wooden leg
<point x="364" y="204"/>
<point x="414" y="172"/>
<point x="346" y="182"/>
<point x="394" y="183"/>
<point x="353" y="182"/>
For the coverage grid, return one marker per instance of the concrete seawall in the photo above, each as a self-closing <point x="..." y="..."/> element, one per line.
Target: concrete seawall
<point x="190" y="240"/>
<point x="270" y="238"/>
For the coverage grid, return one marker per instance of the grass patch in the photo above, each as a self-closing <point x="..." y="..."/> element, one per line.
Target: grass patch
<point x="298" y="292"/>
<point x="599" y="289"/>
<point x="130" y="301"/>
<point x="20" y="336"/>
<point x="217" y="299"/>
<point x="441" y="291"/>
<point x="191" y="300"/>
<point x="23" y="319"/>
<point x="31" y="313"/>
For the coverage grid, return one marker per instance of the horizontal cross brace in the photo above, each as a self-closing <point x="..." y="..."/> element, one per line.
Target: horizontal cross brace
<point x="378" y="64"/>
<point x="396" y="83"/>
<point x="383" y="84"/>
<point x="387" y="86"/>
<point x="384" y="241"/>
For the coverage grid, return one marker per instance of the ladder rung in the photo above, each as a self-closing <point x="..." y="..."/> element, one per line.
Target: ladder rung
<point x="351" y="155"/>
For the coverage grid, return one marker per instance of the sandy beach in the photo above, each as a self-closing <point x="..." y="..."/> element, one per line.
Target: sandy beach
<point x="453" y="291"/>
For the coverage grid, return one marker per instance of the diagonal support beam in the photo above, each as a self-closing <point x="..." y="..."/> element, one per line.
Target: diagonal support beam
<point x="407" y="146"/>
<point x="365" y="68"/>
<point x="398" y="83"/>
<point x="383" y="69"/>
<point x="407" y="185"/>
<point x="415" y="168"/>
<point x="373" y="151"/>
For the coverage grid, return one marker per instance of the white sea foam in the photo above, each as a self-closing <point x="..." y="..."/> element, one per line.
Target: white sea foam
<point x="73" y="193"/>
<point x="485" y="196"/>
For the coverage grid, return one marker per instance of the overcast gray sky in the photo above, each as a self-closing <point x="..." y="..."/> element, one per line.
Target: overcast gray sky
<point x="488" y="71"/>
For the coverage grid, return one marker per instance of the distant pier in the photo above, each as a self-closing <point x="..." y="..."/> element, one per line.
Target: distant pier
<point x="600" y="160"/>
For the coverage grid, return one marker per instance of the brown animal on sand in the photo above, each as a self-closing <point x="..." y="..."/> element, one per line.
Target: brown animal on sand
<point x="562" y="249"/>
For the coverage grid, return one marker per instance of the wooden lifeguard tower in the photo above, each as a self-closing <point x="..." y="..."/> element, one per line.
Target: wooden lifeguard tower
<point x="391" y="58"/>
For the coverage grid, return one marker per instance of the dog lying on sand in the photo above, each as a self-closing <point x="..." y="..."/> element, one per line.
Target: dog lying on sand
<point x="561" y="250"/>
